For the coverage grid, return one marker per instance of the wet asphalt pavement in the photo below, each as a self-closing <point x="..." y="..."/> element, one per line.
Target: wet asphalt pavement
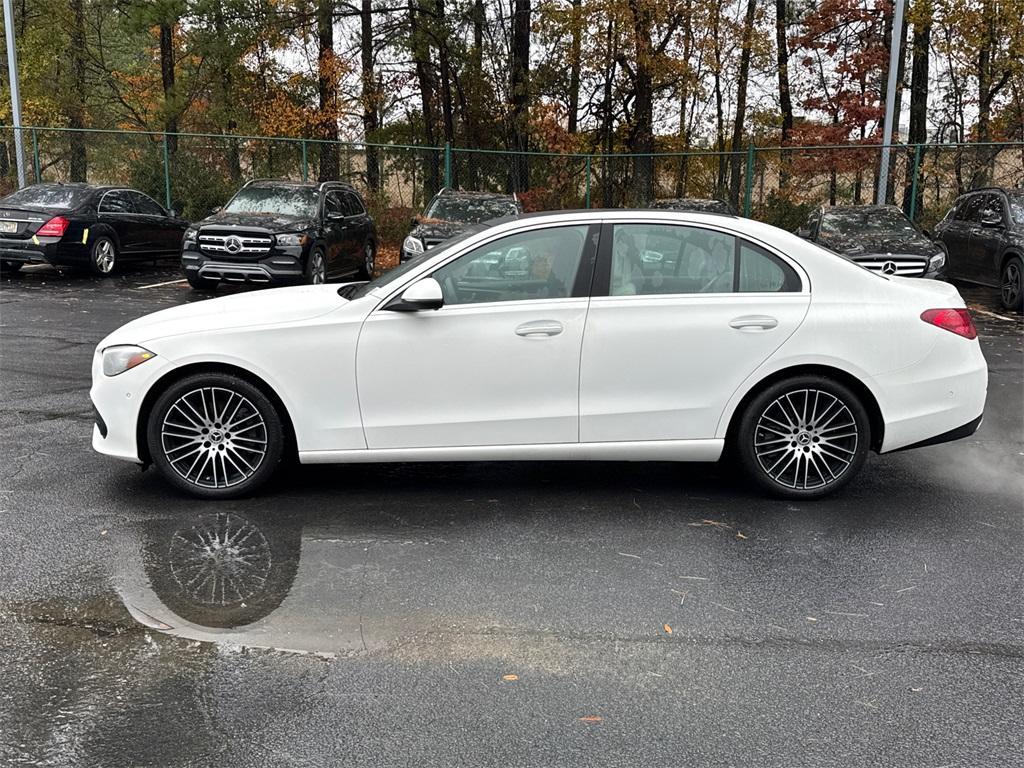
<point x="472" y="614"/>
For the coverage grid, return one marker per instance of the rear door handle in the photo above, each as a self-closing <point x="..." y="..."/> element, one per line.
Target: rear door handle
<point x="754" y="322"/>
<point x="540" y="328"/>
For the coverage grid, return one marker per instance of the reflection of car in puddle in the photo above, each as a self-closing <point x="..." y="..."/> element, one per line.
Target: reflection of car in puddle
<point x="231" y="579"/>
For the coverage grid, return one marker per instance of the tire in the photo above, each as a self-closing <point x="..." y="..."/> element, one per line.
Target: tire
<point x="201" y="283"/>
<point x="203" y="418"/>
<point x="369" y="261"/>
<point x="803" y="437"/>
<point x="1011" y="284"/>
<point x="316" y="268"/>
<point x="10" y="267"/>
<point x="103" y="256"/>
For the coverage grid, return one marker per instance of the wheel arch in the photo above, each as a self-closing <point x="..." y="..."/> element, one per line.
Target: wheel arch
<point x="107" y="231"/>
<point x="866" y="396"/>
<point x="1008" y="254"/>
<point x="177" y="374"/>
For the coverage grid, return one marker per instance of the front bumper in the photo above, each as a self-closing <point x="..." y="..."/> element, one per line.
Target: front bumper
<point x="282" y="266"/>
<point x="117" y="401"/>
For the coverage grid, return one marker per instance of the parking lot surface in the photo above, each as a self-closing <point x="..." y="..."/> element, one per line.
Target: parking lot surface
<point x="506" y="614"/>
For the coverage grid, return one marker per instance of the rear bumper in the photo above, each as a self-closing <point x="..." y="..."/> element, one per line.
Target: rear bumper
<point x="40" y="250"/>
<point x="958" y="433"/>
<point x="279" y="267"/>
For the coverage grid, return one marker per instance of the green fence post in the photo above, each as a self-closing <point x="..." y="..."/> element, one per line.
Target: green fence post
<point x="913" y="183"/>
<point x="748" y="183"/>
<point x="167" y="173"/>
<point x="588" y="181"/>
<point x="447" y="164"/>
<point x="305" y="162"/>
<point x="35" y="155"/>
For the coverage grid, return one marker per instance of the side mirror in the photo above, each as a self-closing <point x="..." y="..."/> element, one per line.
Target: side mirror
<point x="414" y="221"/>
<point x="803" y="232"/>
<point x="335" y="216"/>
<point x="991" y="219"/>
<point x="927" y="233"/>
<point x="423" y="294"/>
<point x="176" y="208"/>
<point x="215" y="210"/>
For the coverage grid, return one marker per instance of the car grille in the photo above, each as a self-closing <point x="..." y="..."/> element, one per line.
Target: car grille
<point x="896" y="264"/>
<point x="242" y="244"/>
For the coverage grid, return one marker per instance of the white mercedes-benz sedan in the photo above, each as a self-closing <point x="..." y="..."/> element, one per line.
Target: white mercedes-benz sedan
<point x="615" y="335"/>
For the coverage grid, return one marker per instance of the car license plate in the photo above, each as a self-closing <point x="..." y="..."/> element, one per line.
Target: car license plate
<point x="8" y="226"/>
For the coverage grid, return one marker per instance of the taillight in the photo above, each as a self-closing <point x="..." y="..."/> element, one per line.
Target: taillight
<point x="55" y="227"/>
<point x="956" y="320"/>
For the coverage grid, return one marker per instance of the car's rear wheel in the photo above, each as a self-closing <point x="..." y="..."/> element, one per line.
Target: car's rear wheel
<point x="804" y="437"/>
<point x="316" y="268"/>
<point x="103" y="256"/>
<point x="1011" y="289"/>
<point x="10" y="267"/>
<point x="215" y="436"/>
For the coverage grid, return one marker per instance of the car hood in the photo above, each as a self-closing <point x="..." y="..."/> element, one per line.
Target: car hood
<point x="853" y="246"/>
<point x="436" y="229"/>
<point x="272" y="222"/>
<point x="244" y="310"/>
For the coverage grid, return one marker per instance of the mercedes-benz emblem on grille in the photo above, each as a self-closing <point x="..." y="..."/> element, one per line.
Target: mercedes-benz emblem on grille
<point x="234" y="244"/>
<point x="889" y="268"/>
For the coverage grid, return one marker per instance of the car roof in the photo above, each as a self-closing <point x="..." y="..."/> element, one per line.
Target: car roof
<point x="475" y="195"/>
<point x="845" y="208"/>
<point x="291" y="183"/>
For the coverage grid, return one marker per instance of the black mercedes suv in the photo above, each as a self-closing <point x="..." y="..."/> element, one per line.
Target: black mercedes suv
<point x="878" y="237"/>
<point x="983" y="235"/>
<point x="280" y="232"/>
<point x="451" y="212"/>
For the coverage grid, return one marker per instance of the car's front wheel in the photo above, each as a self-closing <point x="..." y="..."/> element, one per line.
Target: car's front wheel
<point x="804" y="437"/>
<point x="1011" y="284"/>
<point x="215" y="436"/>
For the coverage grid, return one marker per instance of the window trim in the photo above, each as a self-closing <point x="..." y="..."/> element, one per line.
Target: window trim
<point x="602" y="274"/>
<point x="99" y="205"/>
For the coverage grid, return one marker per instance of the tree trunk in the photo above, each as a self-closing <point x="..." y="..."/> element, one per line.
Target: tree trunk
<point x="918" y="129"/>
<point x="420" y="44"/>
<point x="735" y="159"/>
<point x="167" y="80"/>
<point x="444" y="60"/>
<point x="370" y="97"/>
<point x="77" y="159"/>
<point x="785" y="100"/>
<point x="607" y="137"/>
<point x="642" y="131"/>
<point x="574" y="65"/>
<point x="719" y="112"/>
<point x="520" y="90"/>
<point x="327" y="87"/>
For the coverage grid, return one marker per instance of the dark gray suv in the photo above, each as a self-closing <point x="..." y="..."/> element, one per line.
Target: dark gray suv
<point x="983" y="235"/>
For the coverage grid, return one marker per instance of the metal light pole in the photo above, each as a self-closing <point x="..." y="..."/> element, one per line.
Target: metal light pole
<point x="890" y="100"/>
<point x="12" y="74"/>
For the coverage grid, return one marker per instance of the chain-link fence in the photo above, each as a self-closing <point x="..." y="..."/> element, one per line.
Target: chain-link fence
<point x="194" y="172"/>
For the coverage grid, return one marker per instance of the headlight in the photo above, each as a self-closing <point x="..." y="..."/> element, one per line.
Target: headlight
<point x="292" y="238"/>
<point x="119" y="359"/>
<point x="937" y="261"/>
<point x="190" y="234"/>
<point x="412" y="245"/>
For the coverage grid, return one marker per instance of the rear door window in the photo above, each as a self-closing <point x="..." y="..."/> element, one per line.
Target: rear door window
<point x="117" y="201"/>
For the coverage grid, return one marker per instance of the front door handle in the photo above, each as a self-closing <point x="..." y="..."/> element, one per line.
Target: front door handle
<point x="754" y="323"/>
<point x="540" y="328"/>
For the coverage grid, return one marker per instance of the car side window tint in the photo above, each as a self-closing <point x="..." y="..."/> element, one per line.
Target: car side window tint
<point x="764" y="272"/>
<point x="116" y="201"/>
<point x="353" y="205"/>
<point x="332" y="204"/>
<point x="146" y="205"/>
<point x="653" y="259"/>
<point x="971" y="210"/>
<point x="992" y="204"/>
<point x="542" y="264"/>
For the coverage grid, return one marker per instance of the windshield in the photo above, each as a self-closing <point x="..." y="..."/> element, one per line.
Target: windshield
<point x="471" y="210"/>
<point x="406" y="266"/>
<point x="287" y="200"/>
<point x="1016" y="206"/>
<point x="865" y="221"/>
<point x="48" y="196"/>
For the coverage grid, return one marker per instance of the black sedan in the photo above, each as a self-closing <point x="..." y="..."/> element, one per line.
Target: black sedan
<point x="878" y="237"/>
<point x="85" y="226"/>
